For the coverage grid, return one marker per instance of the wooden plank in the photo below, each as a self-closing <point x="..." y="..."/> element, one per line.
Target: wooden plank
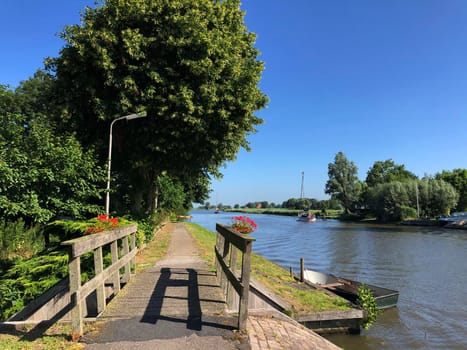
<point x="116" y="275"/>
<point x="132" y="247"/>
<point x="74" y="267"/>
<point x="230" y="299"/>
<point x="243" y="308"/>
<point x="230" y="276"/>
<point x="99" y="267"/>
<point x="92" y="284"/>
<point x="125" y="250"/>
<point x="331" y="315"/>
<point x="82" y="245"/>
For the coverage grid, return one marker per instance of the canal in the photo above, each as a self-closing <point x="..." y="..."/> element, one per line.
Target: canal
<point x="427" y="265"/>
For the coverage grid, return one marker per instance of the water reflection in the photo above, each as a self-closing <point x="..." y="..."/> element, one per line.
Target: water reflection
<point x="427" y="266"/>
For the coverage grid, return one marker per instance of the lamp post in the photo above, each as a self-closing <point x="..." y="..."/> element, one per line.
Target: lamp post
<point x="107" y="197"/>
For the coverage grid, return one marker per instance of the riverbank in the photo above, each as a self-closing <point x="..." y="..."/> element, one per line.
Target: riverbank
<point x="330" y="214"/>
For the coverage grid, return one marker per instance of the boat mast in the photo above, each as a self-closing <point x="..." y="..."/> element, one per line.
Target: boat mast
<point x="302" y="193"/>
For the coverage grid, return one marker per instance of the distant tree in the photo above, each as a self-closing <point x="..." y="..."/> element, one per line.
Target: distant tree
<point x="458" y="179"/>
<point x="191" y="65"/>
<point x="236" y="206"/>
<point x="437" y="197"/>
<point x="386" y="200"/>
<point x="343" y="183"/>
<point x="387" y="171"/>
<point x="394" y="200"/>
<point x="207" y="205"/>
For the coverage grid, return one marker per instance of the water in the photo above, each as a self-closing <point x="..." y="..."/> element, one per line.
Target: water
<point x="427" y="265"/>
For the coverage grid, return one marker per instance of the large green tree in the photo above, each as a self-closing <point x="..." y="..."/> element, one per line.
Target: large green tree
<point x="343" y="183"/>
<point x="387" y="171"/>
<point x="191" y="65"/>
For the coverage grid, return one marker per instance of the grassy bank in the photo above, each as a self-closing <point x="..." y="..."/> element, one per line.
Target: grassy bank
<point x="274" y="277"/>
<point x="330" y="214"/>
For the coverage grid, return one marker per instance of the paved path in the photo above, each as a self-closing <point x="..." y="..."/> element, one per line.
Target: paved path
<point x="177" y="304"/>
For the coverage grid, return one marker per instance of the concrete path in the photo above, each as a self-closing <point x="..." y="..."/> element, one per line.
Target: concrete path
<point x="177" y="304"/>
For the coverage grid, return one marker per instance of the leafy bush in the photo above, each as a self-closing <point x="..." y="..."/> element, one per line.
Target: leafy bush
<point x="17" y="240"/>
<point x="407" y="212"/>
<point x="368" y="303"/>
<point x="28" y="279"/>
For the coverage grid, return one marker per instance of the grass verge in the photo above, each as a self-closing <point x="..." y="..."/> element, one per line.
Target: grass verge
<point x="303" y="299"/>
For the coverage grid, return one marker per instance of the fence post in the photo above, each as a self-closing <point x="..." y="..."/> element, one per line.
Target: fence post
<point x="76" y="311"/>
<point x="100" y="291"/>
<point x="246" y="269"/>
<point x="116" y="275"/>
<point x="126" y="250"/>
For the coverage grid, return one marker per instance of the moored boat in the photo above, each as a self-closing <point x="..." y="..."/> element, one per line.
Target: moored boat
<point x="307" y="217"/>
<point x="348" y="289"/>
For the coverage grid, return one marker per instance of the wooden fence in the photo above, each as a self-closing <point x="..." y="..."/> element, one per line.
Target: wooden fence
<point x="123" y="258"/>
<point x="227" y="244"/>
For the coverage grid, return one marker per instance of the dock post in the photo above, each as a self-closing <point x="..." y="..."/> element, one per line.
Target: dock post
<point x="302" y="270"/>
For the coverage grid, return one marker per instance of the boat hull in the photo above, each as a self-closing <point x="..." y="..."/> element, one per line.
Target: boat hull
<point x="348" y="289"/>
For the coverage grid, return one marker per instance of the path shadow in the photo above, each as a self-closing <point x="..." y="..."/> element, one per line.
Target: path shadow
<point x="190" y="312"/>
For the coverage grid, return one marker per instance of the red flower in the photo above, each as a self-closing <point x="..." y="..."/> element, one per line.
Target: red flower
<point x="243" y="224"/>
<point x="104" y="223"/>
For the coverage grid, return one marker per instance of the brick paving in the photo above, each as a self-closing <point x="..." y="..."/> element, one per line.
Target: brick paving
<point x="274" y="332"/>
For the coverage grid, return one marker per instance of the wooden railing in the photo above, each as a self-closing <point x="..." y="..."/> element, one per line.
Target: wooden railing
<point x="125" y="258"/>
<point x="228" y="242"/>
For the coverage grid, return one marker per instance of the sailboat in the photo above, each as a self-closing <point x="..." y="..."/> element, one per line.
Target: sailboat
<point x="306" y="215"/>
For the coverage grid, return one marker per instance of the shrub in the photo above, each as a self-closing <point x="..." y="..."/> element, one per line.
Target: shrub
<point x="17" y="240"/>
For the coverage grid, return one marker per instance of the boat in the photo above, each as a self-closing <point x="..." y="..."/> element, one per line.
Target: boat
<point x="306" y="215"/>
<point x="348" y="289"/>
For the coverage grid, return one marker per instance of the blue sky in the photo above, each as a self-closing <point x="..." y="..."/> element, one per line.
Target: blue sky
<point x="373" y="79"/>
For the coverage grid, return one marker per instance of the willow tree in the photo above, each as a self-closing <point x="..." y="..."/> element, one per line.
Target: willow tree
<point x="191" y="65"/>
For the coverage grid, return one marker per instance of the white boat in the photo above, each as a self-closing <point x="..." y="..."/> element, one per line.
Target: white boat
<point x="306" y="216"/>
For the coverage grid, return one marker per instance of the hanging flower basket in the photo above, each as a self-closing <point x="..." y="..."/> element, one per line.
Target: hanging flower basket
<point x="243" y="224"/>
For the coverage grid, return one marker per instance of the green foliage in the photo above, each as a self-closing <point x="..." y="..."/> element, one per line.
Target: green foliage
<point x="42" y="175"/>
<point x="458" y="179"/>
<point x="11" y="298"/>
<point x="368" y="303"/>
<point x="171" y="194"/>
<point x="17" y="240"/>
<point x="192" y="66"/>
<point x="27" y="279"/>
<point x="407" y="212"/>
<point x="343" y="183"/>
<point x="437" y="197"/>
<point x="388" y="171"/>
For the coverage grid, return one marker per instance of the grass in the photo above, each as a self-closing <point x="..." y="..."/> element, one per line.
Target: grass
<point x="53" y="338"/>
<point x="302" y="298"/>
<point x="154" y="250"/>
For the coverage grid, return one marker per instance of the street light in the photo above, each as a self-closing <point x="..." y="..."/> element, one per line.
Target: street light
<point x="127" y="117"/>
